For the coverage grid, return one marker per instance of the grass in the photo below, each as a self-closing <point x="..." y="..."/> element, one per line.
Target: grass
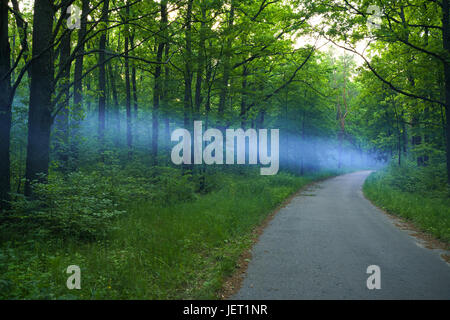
<point x="183" y="250"/>
<point x="429" y="211"/>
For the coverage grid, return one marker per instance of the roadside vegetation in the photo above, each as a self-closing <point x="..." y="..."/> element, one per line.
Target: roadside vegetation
<point x="419" y="194"/>
<point x="142" y="237"/>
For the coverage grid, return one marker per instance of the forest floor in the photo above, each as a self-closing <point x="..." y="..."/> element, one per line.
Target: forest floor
<point x="321" y="244"/>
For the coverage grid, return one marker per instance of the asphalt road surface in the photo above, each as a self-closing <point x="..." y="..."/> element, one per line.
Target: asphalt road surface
<point x="320" y="245"/>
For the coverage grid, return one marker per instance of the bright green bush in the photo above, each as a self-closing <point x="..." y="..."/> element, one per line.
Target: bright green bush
<point x="79" y="206"/>
<point x="82" y="205"/>
<point x="428" y="180"/>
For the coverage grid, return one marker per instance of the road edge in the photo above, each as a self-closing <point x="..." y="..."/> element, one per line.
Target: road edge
<point x="233" y="283"/>
<point x="422" y="238"/>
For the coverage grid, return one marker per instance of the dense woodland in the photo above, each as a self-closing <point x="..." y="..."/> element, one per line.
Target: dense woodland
<point x="87" y="106"/>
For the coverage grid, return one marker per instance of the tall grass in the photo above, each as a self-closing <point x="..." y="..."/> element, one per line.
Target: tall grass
<point x="181" y="250"/>
<point x="417" y="194"/>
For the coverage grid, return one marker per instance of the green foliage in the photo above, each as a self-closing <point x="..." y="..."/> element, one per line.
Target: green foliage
<point x="417" y="194"/>
<point x="82" y="205"/>
<point x="79" y="206"/>
<point x="158" y="250"/>
<point x="429" y="181"/>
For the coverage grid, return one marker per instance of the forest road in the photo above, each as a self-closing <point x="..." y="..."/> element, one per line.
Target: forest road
<point x="320" y="245"/>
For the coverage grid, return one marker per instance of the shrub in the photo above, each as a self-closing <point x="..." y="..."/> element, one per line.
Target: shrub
<point x="80" y="206"/>
<point x="414" y="195"/>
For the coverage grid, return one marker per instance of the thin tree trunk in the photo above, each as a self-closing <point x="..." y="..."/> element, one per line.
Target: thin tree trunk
<point x="416" y="139"/>
<point x="78" y="84"/>
<point x="200" y="64"/>
<point x="208" y="95"/>
<point x="399" y="139"/>
<point x="135" y="97"/>
<point x="188" y="78"/>
<point x="157" y="88"/>
<point x="404" y="136"/>
<point x="112" y="80"/>
<point x="226" y="67"/>
<point x="165" y="97"/>
<point x="188" y="70"/>
<point x="102" y="79"/>
<point x="243" y="112"/>
<point x="133" y="82"/>
<point x="135" y="103"/>
<point x="128" y="93"/>
<point x="62" y="119"/>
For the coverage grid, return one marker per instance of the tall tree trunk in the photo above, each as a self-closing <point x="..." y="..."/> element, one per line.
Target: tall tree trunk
<point x="42" y="86"/>
<point x="200" y="64"/>
<point x="135" y="102"/>
<point x="404" y="136"/>
<point x="5" y="108"/>
<point x="188" y="78"/>
<point x="188" y="70"/>
<point x="208" y="77"/>
<point x="157" y="87"/>
<point x="62" y="119"/>
<point x="165" y="97"/>
<point x="102" y="78"/>
<point x="128" y="91"/>
<point x="416" y="139"/>
<point x="78" y="83"/>
<point x="243" y="113"/>
<point x="399" y="139"/>
<point x="133" y="82"/>
<point x="226" y="66"/>
<point x="88" y="89"/>
<point x="112" y="80"/>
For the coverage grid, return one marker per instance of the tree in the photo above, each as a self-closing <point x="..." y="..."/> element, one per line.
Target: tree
<point x="128" y="87"/>
<point x="62" y="118"/>
<point x="102" y="75"/>
<point x="78" y="82"/>
<point x="157" y="90"/>
<point x="407" y="25"/>
<point x="40" y="117"/>
<point x="5" y="107"/>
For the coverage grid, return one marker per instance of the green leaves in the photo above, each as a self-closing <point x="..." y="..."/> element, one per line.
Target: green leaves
<point x="418" y="194"/>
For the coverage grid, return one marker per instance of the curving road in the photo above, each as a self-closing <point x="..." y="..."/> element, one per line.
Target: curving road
<point x="320" y="245"/>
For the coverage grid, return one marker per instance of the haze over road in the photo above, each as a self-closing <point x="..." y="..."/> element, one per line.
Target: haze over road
<point x="320" y="245"/>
